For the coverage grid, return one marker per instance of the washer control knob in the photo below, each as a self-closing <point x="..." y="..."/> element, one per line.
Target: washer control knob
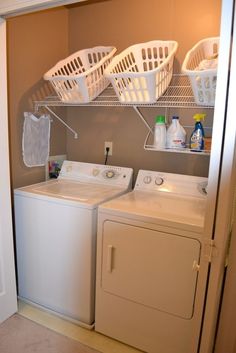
<point x="159" y="181"/>
<point x="110" y="174"/>
<point x="95" y="171"/>
<point x="147" y="179"/>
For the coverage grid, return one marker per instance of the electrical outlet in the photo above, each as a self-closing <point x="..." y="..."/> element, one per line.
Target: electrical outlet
<point x="108" y="144"/>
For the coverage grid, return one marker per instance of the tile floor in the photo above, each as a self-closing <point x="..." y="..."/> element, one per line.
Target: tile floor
<point x="90" y="338"/>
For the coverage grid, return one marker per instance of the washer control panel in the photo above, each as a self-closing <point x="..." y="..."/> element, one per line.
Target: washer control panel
<point x="171" y="183"/>
<point x="96" y="173"/>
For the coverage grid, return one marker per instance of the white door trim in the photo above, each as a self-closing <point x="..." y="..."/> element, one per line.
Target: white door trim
<point x="226" y="182"/>
<point x="8" y="302"/>
<point x="10" y="8"/>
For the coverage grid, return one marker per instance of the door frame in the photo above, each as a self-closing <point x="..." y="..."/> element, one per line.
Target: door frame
<point x="16" y="7"/>
<point x="5" y="203"/>
<point x="8" y="302"/>
<point x="221" y="225"/>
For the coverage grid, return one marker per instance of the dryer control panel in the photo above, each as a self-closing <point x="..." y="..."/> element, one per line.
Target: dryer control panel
<point x="96" y="173"/>
<point x="171" y="183"/>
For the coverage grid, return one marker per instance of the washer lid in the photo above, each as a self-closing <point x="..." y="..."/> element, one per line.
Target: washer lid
<point x="182" y="212"/>
<point x="87" y="194"/>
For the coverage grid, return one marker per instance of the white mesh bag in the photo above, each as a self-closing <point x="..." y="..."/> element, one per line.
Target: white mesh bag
<point x="35" y="140"/>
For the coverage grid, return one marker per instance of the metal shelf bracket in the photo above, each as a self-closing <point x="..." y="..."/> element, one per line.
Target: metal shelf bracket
<point x="62" y="121"/>
<point x="142" y="118"/>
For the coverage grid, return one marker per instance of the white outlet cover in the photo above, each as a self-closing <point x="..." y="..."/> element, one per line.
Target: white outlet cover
<point x="110" y="145"/>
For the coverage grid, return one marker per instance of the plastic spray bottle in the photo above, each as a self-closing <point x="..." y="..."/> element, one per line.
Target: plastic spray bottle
<point x="176" y="135"/>
<point x="197" y="136"/>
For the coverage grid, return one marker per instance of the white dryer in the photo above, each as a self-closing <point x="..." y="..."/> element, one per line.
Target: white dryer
<point x="148" y="286"/>
<point x="56" y="225"/>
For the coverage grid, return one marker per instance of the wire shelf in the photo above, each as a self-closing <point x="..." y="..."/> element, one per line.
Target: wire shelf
<point x="176" y="150"/>
<point x="187" y="150"/>
<point x="179" y="94"/>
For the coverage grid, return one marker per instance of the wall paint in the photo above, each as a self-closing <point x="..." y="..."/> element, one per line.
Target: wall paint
<point x="35" y="43"/>
<point x="122" y="23"/>
<point x="123" y="127"/>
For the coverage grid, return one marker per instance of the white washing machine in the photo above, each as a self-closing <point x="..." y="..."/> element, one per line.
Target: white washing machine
<point x="56" y="225"/>
<point x="149" y="286"/>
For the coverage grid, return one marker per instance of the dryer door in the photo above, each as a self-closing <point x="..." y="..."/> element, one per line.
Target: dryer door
<point x="149" y="267"/>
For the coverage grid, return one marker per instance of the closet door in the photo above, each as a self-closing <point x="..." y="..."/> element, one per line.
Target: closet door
<point x="8" y="304"/>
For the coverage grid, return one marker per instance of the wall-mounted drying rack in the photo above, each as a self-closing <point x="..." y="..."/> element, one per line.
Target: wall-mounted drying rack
<point x="178" y="95"/>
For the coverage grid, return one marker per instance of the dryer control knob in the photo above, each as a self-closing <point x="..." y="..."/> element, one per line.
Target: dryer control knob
<point x="159" y="181"/>
<point x="147" y="179"/>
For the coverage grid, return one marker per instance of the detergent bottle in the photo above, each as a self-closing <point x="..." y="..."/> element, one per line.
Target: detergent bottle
<point x="197" y="136"/>
<point x="176" y="135"/>
<point x="160" y="132"/>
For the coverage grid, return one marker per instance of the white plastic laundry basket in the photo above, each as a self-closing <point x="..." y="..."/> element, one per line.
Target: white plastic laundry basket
<point x="80" y="77"/>
<point x="142" y="72"/>
<point x="203" y="81"/>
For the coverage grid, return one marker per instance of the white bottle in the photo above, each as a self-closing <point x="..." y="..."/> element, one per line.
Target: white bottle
<point x="160" y="132"/>
<point x="176" y="135"/>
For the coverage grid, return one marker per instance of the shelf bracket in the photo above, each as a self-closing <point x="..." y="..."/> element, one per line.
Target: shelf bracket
<point x="62" y="121"/>
<point x="142" y="118"/>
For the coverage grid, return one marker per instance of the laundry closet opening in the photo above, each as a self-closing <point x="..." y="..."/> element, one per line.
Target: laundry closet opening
<point x="37" y="41"/>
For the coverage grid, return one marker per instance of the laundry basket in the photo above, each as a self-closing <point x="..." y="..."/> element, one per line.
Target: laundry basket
<point x="142" y="72"/>
<point x="203" y="79"/>
<point x="80" y="77"/>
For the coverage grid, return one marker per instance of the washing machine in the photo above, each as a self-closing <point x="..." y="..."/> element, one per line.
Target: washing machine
<point x="149" y="284"/>
<point x="55" y="227"/>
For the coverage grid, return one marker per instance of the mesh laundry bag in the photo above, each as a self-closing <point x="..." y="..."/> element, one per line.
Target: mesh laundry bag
<point x="35" y="141"/>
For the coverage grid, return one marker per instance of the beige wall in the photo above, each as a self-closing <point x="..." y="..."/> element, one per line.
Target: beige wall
<point x="35" y="43"/>
<point x="122" y="23"/>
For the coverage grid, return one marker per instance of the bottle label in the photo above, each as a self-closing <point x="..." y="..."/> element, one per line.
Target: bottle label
<point x="177" y="143"/>
<point x="196" y="142"/>
<point x="160" y="136"/>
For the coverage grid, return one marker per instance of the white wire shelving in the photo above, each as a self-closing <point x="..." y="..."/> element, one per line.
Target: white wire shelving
<point x="186" y="150"/>
<point x="178" y="95"/>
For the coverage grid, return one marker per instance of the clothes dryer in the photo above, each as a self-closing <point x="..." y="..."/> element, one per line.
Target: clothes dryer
<point x="56" y="224"/>
<point x="149" y="287"/>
